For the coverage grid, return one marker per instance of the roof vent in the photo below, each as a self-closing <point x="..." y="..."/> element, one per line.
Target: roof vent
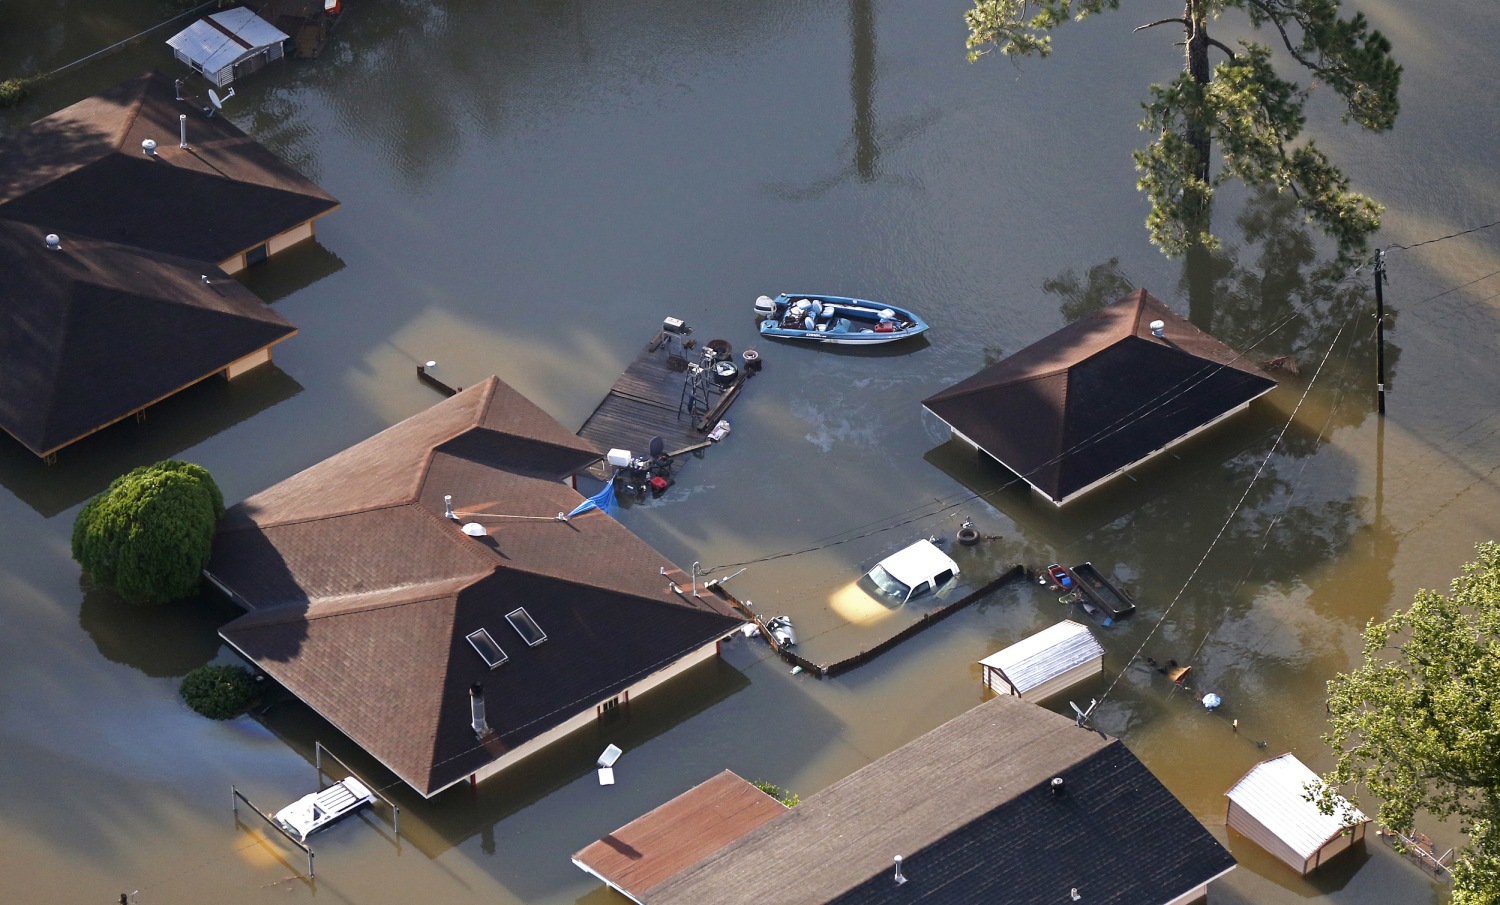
<point x="1057" y="785"/>
<point x="53" y="242"/>
<point x="448" y="507"/>
<point x="1158" y="329"/>
<point x="476" y="710"/>
<point x="1074" y="893"/>
<point x="900" y="877"/>
<point x="149" y="147"/>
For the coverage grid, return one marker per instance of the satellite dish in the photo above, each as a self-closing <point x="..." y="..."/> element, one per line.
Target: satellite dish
<point x="1083" y="715"/>
<point x="473" y="529"/>
<point x="657" y="445"/>
<point x="213" y="98"/>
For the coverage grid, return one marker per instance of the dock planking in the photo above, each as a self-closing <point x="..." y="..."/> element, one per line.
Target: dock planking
<point x="646" y="402"/>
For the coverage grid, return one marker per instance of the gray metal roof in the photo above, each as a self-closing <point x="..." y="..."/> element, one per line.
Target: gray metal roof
<point x="1046" y="655"/>
<point x="1272" y="793"/>
<point x="213" y="49"/>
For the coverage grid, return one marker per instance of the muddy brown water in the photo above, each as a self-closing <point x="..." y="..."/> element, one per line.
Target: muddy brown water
<point x="528" y="187"/>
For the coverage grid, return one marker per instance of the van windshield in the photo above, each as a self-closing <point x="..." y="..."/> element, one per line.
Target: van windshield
<point x="887" y="584"/>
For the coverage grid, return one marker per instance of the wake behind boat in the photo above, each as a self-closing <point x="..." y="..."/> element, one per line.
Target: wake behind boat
<point x="835" y="319"/>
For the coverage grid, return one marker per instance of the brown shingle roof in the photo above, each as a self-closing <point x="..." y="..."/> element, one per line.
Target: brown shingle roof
<point x="1099" y="395"/>
<point x="678" y="834"/>
<point x="969" y="808"/>
<point x="95" y="331"/>
<point x="362" y="594"/>
<point x="81" y="172"/>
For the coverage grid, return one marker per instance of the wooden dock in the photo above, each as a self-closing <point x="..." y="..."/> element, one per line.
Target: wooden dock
<point x="305" y="20"/>
<point x="653" y="399"/>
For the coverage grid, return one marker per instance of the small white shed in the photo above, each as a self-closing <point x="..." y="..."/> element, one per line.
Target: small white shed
<point x="1051" y="661"/>
<point x="228" y="44"/>
<point x="1267" y="806"/>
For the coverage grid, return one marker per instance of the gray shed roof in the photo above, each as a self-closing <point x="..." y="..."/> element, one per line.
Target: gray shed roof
<point x="222" y="38"/>
<point x="1272" y="793"/>
<point x="1046" y="655"/>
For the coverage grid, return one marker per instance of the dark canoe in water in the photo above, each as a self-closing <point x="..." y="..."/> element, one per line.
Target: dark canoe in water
<point x="1101" y="592"/>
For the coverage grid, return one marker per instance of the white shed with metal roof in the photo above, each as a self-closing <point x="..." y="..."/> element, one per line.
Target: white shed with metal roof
<point x="1047" y="663"/>
<point x="228" y="44"/>
<point x="1268" y="806"/>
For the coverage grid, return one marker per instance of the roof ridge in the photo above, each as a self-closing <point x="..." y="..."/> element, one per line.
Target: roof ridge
<point x="134" y="111"/>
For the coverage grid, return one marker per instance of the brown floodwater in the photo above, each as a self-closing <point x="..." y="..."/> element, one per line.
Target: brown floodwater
<point x="528" y="188"/>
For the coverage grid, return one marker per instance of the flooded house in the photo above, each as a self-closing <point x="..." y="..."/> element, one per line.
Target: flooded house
<point x="1105" y="394"/>
<point x="429" y="594"/>
<point x="1005" y="803"/>
<point x="121" y="219"/>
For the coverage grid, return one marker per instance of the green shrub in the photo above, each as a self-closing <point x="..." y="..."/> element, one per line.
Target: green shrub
<point x="790" y="799"/>
<point x="149" y="535"/>
<point x="13" y="91"/>
<point x="218" y="692"/>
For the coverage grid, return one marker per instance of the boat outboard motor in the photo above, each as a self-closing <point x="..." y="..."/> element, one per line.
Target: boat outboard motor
<point x="765" y="306"/>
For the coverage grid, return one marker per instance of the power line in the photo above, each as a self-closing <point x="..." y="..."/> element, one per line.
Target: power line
<point x="1233" y="512"/>
<point x="1475" y="229"/>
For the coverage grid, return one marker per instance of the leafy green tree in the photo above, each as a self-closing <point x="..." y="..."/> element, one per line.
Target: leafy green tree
<point x="1417" y="724"/>
<point x="1239" y="105"/>
<point x="218" y="692"/>
<point x="149" y="534"/>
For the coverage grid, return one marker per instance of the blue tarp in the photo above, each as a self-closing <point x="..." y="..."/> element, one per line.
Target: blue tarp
<point x="604" y="500"/>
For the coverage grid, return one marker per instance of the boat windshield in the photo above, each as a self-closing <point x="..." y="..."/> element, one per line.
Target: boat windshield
<point x="887" y="584"/>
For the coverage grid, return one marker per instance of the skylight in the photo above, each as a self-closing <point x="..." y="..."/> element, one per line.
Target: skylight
<point x="487" y="647"/>
<point x="526" y="627"/>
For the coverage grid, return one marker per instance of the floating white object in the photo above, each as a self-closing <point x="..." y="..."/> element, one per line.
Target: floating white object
<point x="1211" y="701"/>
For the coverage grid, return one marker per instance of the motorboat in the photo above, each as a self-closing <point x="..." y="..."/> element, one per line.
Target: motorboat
<point x="316" y="810"/>
<point x="781" y="629"/>
<point x="835" y="319"/>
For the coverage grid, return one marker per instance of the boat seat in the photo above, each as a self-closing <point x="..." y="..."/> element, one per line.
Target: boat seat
<point x="839" y="325"/>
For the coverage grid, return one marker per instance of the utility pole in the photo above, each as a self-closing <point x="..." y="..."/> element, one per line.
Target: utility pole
<point x="1379" y="332"/>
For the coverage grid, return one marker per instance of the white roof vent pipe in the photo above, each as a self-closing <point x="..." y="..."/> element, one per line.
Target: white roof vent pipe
<point x="148" y="147"/>
<point x="900" y="877"/>
<point x="448" y="507"/>
<point x="476" y="710"/>
<point x="1158" y="329"/>
<point x="53" y="242"/>
<point x="182" y="128"/>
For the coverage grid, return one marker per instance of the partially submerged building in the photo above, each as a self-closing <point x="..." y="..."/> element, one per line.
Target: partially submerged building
<point x="1104" y="394"/>
<point x="117" y="238"/>
<point x="1269" y="806"/>
<point x="92" y="332"/>
<point x="658" y="845"/>
<point x="229" y="44"/>
<point x="1006" y="803"/>
<point x="450" y="647"/>
<point x="1044" y="664"/>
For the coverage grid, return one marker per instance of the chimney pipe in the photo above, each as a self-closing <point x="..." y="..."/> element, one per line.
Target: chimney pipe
<point x="448" y="507"/>
<point x="148" y="147"/>
<point x="476" y="710"/>
<point x="900" y="878"/>
<point x="1057" y="785"/>
<point x="182" y="127"/>
<point x="178" y="86"/>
